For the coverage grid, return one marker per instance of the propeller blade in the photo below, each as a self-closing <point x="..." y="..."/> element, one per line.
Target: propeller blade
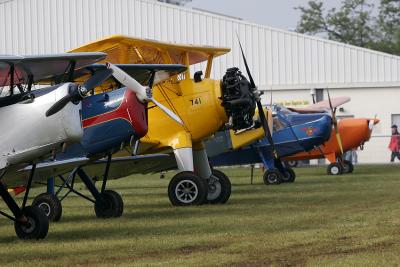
<point x="129" y="82"/>
<point x="60" y="104"/>
<point x="77" y="93"/>
<point x="371" y="125"/>
<point x="96" y="80"/>
<point x="334" y="121"/>
<point x="167" y="111"/>
<point x="339" y="141"/>
<point x="263" y="120"/>
<point x="151" y="80"/>
<point x="266" y="128"/>
<point x="329" y="99"/>
<point x="253" y="85"/>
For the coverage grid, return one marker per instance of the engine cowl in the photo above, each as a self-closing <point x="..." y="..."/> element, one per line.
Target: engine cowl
<point x="238" y="99"/>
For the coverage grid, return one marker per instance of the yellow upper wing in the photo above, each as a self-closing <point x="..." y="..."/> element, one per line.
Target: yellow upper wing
<point x="128" y="50"/>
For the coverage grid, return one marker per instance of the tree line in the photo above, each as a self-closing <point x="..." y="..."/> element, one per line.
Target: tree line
<point x="355" y="22"/>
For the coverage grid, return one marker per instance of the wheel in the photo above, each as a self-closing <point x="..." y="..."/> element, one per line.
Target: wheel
<point x="186" y="188"/>
<point x="219" y="190"/>
<point x="288" y="175"/>
<point x="348" y="167"/>
<point x="272" y="177"/>
<point x="292" y="163"/>
<point x="111" y="205"/>
<point x="50" y="205"/>
<point x="335" y="169"/>
<point x="36" y="225"/>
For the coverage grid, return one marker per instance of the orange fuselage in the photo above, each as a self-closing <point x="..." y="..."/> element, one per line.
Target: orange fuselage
<point x="353" y="133"/>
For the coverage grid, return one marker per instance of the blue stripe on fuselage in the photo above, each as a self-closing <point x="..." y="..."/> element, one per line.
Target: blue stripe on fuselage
<point x="102" y="103"/>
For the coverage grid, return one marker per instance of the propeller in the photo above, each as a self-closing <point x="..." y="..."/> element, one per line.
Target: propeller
<point x="372" y="123"/>
<point x="78" y="92"/>
<point x="144" y="94"/>
<point x="260" y="109"/>
<point x="335" y="125"/>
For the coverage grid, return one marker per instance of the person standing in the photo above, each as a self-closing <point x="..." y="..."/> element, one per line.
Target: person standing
<point x="394" y="144"/>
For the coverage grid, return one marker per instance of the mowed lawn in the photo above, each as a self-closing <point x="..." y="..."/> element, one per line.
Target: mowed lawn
<point x="319" y="220"/>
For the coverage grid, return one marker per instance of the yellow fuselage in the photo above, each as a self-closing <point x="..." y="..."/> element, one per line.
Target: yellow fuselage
<point x="197" y="104"/>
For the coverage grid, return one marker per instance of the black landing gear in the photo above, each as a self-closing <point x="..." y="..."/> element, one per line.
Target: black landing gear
<point x="107" y="203"/>
<point x="29" y="221"/>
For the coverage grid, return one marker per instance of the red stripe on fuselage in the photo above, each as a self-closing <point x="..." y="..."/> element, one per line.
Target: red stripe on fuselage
<point x="118" y="113"/>
<point x="130" y="110"/>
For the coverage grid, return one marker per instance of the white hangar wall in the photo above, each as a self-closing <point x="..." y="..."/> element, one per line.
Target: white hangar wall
<point x="286" y="62"/>
<point x="277" y="57"/>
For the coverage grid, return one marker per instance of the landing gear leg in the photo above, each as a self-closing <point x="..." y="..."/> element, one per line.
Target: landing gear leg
<point x="219" y="186"/>
<point x="272" y="175"/>
<point x="29" y="221"/>
<point x="107" y="203"/>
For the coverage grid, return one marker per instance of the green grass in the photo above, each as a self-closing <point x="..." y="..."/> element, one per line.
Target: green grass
<point x="319" y="220"/>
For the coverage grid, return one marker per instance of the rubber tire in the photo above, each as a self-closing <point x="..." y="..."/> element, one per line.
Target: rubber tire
<point x="292" y="163"/>
<point x="120" y="202"/>
<point x="332" y="167"/>
<point x="348" y="167"/>
<point x="289" y="175"/>
<point x="41" y="226"/>
<point x="277" y="177"/>
<point x="226" y="188"/>
<point x="200" y="183"/>
<point x="112" y="207"/>
<point x="53" y="203"/>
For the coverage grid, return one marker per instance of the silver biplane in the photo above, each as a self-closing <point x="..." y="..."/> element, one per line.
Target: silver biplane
<point x="37" y="126"/>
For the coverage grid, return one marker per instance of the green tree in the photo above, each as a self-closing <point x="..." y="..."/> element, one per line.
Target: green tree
<point x="388" y="27"/>
<point x="350" y="24"/>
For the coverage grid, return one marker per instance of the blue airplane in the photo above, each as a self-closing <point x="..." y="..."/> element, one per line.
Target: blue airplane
<point x="292" y="133"/>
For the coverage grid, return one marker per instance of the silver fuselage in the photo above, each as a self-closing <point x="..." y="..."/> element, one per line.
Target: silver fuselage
<point x="27" y="135"/>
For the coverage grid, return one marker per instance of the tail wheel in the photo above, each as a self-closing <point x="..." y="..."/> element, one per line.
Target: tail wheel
<point x="219" y="190"/>
<point x="50" y="205"/>
<point x="348" y="167"/>
<point x="109" y="205"/>
<point x="335" y="169"/>
<point x="272" y="177"/>
<point x="288" y="175"/>
<point x="186" y="188"/>
<point x="33" y="225"/>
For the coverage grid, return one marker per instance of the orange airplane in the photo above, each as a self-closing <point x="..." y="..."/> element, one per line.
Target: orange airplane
<point x="347" y="134"/>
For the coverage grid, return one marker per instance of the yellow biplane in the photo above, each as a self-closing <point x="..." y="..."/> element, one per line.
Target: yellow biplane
<point x="203" y="104"/>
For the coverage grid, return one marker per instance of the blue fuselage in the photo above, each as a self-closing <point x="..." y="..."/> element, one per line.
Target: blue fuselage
<point x="110" y="121"/>
<point x="302" y="132"/>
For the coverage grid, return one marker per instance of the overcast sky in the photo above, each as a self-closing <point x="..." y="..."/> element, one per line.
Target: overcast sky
<point x="275" y="13"/>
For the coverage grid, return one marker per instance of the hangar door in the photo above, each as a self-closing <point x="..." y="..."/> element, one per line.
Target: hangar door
<point x="396" y="119"/>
